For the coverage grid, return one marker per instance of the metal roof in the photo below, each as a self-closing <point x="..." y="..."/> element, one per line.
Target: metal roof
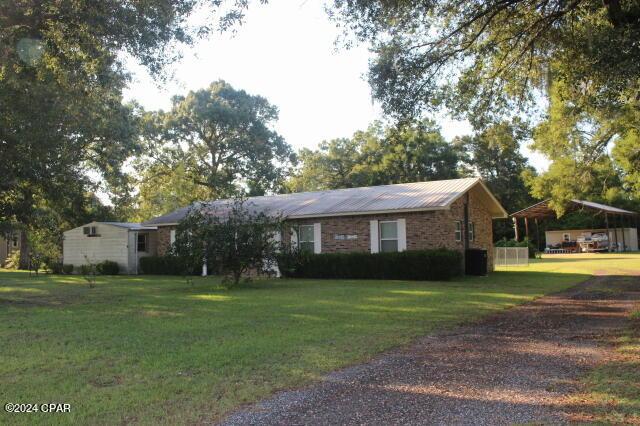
<point x="129" y="225"/>
<point x="418" y="196"/>
<point x="542" y="209"/>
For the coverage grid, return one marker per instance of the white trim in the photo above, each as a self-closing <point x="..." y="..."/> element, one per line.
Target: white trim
<point x="373" y="236"/>
<point x="456" y="231"/>
<point x="294" y="237"/>
<point x="317" y="238"/>
<point x="402" y="234"/>
<point x="172" y="236"/>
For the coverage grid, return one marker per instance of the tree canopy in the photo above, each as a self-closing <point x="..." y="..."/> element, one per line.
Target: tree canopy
<point x="407" y="152"/>
<point x="217" y="142"/>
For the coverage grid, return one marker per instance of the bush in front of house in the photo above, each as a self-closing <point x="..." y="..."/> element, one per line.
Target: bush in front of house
<point x="67" y="269"/>
<point x="108" y="267"/>
<point x="428" y="265"/>
<point x="163" y="265"/>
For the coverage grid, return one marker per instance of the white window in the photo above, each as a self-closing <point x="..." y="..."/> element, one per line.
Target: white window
<point x="306" y="240"/>
<point x="388" y="236"/>
<point x="458" y="231"/>
<point x="172" y="236"/>
<point x="472" y="231"/>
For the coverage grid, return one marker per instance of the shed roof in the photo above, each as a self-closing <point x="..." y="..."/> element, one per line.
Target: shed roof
<point x="418" y="196"/>
<point x="134" y="226"/>
<point x="542" y="209"/>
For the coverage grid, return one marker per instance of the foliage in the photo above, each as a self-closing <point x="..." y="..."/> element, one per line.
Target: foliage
<point x="89" y="271"/>
<point x="108" y="267"/>
<point x="165" y="265"/>
<point x="218" y="139"/>
<point x="13" y="260"/>
<point x="233" y="236"/>
<point x="406" y="152"/>
<point x="432" y="265"/>
<point x="494" y="154"/>
<point x="487" y="58"/>
<point x="64" y="130"/>
<point x="67" y="268"/>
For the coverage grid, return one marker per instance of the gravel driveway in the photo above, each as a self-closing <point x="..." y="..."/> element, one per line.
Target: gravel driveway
<point x="513" y="367"/>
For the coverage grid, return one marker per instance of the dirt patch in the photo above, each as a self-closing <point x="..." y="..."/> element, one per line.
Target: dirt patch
<point x="514" y="367"/>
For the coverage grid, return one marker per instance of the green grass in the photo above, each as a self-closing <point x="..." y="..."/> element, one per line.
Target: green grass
<point x="155" y="350"/>
<point x="611" y="393"/>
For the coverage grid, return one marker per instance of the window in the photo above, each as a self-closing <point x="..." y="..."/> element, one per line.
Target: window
<point x="305" y="238"/>
<point x="172" y="236"/>
<point x="142" y="242"/>
<point x="458" y="231"/>
<point x="566" y="237"/>
<point x="388" y="236"/>
<point x="472" y="231"/>
<point x="90" y="231"/>
<point x="14" y="241"/>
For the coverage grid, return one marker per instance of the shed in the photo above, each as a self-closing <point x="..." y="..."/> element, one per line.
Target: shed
<point x="121" y="242"/>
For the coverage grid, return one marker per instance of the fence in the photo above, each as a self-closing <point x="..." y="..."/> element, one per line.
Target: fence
<point x="512" y="256"/>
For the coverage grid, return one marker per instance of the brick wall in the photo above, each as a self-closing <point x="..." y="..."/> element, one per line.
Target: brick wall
<point x="425" y="230"/>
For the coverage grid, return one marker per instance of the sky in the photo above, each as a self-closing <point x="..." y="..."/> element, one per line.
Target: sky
<point x="286" y="52"/>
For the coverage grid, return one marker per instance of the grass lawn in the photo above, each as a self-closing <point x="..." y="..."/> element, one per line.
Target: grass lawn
<point x="155" y="350"/>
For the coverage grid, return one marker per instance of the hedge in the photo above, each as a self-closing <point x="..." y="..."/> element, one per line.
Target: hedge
<point x="163" y="265"/>
<point x="108" y="267"/>
<point x="439" y="264"/>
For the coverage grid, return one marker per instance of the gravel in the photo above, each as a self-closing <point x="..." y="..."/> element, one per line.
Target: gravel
<point x="517" y="366"/>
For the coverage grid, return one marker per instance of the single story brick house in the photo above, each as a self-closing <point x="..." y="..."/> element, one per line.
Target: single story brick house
<point x="454" y="214"/>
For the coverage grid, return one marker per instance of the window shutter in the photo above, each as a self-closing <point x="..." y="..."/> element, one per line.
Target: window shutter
<point x="172" y="236"/>
<point x="317" y="238"/>
<point x="294" y="237"/>
<point x="373" y="235"/>
<point x="85" y="230"/>
<point x="402" y="234"/>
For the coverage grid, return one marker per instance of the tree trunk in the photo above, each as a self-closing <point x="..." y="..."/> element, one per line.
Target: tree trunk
<point x="24" y="250"/>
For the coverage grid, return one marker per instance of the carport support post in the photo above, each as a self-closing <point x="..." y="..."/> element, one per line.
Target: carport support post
<point x="624" y="243"/>
<point x="606" y="223"/>
<point x="515" y="227"/>
<point x="537" y="233"/>
<point x="526" y="227"/>
<point x="615" y="230"/>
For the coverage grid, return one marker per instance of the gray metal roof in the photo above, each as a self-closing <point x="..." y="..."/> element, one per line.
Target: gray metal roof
<point x="542" y="209"/>
<point x="432" y="195"/>
<point x="130" y="225"/>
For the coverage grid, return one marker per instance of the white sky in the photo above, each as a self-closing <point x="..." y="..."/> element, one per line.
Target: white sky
<point x="285" y="52"/>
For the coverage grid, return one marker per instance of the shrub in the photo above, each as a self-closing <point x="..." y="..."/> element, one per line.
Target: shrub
<point x="67" y="269"/>
<point x="13" y="261"/>
<point x="439" y="264"/>
<point x="108" y="267"/>
<point x="54" y="267"/>
<point x="165" y="265"/>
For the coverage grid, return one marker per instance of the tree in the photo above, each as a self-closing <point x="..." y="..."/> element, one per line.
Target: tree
<point x="233" y="237"/>
<point x="407" y="152"/>
<point x="222" y="138"/>
<point x="489" y="60"/>
<point x="494" y="154"/>
<point x="488" y="57"/>
<point x="61" y="81"/>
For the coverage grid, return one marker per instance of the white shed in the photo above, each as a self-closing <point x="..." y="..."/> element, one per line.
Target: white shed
<point x="121" y="242"/>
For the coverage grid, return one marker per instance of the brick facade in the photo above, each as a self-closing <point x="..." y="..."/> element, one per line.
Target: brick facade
<point x="424" y="230"/>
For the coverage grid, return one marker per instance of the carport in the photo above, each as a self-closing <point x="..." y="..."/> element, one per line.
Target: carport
<point x="615" y="218"/>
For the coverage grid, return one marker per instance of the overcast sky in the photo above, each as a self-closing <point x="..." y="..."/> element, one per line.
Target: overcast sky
<point x="285" y="52"/>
